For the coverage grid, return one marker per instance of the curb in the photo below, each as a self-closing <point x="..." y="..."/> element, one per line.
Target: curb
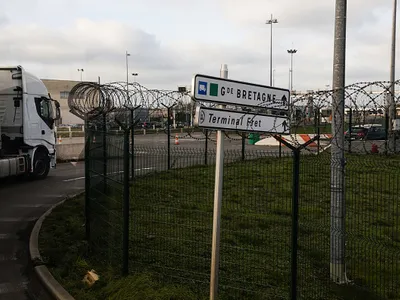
<point x="42" y="273"/>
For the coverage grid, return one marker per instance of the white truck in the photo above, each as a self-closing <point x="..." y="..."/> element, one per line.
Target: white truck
<point x="27" y="117"/>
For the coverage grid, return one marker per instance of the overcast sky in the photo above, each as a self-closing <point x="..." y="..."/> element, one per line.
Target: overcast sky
<point x="170" y="40"/>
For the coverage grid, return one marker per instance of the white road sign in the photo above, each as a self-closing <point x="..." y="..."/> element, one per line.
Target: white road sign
<point x="241" y="121"/>
<point x="219" y="90"/>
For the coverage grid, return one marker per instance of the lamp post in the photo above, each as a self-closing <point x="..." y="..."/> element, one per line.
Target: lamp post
<point x="273" y="77"/>
<point x="270" y="22"/>
<point x="127" y="72"/>
<point x="81" y="71"/>
<point x="291" y="52"/>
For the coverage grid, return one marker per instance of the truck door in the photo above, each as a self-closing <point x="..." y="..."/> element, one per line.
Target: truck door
<point x="44" y="109"/>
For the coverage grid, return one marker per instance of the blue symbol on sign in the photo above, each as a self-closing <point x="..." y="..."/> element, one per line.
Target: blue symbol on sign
<point x="202" y="89"/>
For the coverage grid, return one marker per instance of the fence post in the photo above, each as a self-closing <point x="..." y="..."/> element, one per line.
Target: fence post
<point x="169" y="137"/>
<point x="169" y="132"/>
<point x="104" y="153"/>
<point x="87" y="181"/>
<point x="318" y="130"/>
<point x="295" y="222"/>
<point x="243" y="146"/>
<point x="295" y="209"/>
<point x="125" y="238"/>
<point x="350" y="127"/>
<point x="386" y="132"/>
<point x="206" y="148"/>
<point x="133" y="142"/>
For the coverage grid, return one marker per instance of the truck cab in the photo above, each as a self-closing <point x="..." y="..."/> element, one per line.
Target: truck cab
<point x="27" y="124"/>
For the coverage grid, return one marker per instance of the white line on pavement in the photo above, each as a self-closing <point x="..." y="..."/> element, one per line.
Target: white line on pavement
<point x="8" y="257"/>
<point x="74" y="179"/>
<point x="22" y="205"/>
<point x="8" y="288"/>
<point x="17" y="219"/>
<point x="8" y="236"/>
<point x="83" y="177"/>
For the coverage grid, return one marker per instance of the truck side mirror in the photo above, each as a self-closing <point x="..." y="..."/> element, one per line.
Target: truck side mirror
<point x="57" y="106"/>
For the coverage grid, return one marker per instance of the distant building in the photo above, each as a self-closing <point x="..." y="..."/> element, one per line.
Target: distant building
<point x="59" y="90"/>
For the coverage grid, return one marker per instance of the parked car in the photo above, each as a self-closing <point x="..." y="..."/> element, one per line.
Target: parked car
<point x="376" y="133"/>
<point x="356" y="133"/>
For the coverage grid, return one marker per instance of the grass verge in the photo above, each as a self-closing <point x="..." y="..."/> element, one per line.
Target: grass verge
<point x="171" y="225"/>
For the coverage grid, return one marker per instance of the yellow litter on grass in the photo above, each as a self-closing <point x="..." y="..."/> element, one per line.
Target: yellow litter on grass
<point x="90" y="278"/>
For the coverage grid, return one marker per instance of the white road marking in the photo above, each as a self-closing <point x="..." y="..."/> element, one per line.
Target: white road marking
<point x="8" y="257"/>
<point x="17" y="219"/>
<point x="83" y="177"/>
<point x="34" y="205"/>
<point x="8" y="236"/>
<point x="8" y="288"/>
<point x="74" y="179"/>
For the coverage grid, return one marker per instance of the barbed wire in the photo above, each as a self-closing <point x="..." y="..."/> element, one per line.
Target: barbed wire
<point x="310" y="113"/>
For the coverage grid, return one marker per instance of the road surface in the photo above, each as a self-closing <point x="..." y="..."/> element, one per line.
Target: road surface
<point x="21" y="203"/>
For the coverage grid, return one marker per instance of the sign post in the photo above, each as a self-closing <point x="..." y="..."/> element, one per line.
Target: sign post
<point x="229" y="92"/>
<point x="219" y="178"/>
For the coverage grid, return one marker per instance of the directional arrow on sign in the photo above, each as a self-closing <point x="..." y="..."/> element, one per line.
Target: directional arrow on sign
<point x="285" y="125"/>
<point x="284" y="100"/>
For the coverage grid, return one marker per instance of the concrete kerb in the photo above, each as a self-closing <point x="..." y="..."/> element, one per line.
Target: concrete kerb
<point x="45" y="278"/>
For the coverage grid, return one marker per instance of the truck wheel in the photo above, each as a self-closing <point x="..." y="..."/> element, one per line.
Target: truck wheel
<point x="41" y="165"/>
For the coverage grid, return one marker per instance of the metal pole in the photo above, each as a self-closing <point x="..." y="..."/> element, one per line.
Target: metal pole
<point x="295" y="222"/>
<point x="392" y="108"/>
<point x="132" y="143"/>
<point x="270" y="58"/>
<point x="243" y="146"/>
<point x="317" y="127"/>
<point x="291" y="72"/>
<point x="270" y="22"/>
<point x="219" y="179"/>
<point x="206" y="148"/>
<point x="337" y="231"/>
<point x="127" y="72"/>
<point x="350" y="126"/>
<point x="125" y="242"/>
<point x="169" y="137"/>
<point x="291" y="52"/>
<point x="386" y="131"/>
<point x="295" y="210"/>
<point x="87" y="181"/>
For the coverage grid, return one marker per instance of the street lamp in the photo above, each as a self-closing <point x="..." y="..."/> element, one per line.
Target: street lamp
<point x="134" y="75"/>
<point x="81" y="70"/>
<point x="291" y="52"/>
<point x="270" y="22"/>
<point x="127" y="72"/>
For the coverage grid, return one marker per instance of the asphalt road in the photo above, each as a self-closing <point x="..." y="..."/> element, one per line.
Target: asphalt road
<point x="22" y="202"/>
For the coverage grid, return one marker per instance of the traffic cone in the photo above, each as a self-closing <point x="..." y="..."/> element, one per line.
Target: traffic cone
<point x="176" y="139"/>
<point x="59" y="139"/>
